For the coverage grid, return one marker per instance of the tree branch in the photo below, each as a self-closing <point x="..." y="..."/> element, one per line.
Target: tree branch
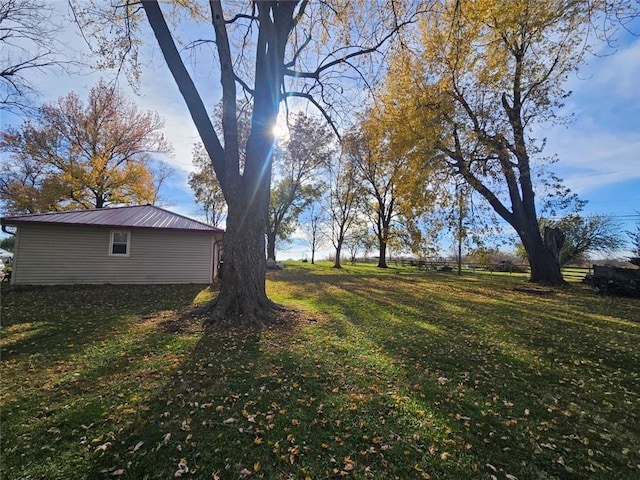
<point x="253" y="18"/>
<point x="186" y="86"/>
<point x="311" y="99"/>
<point x="345" y="58"/>
<point x="228" y="81"/>
<point x="297" y="53"/>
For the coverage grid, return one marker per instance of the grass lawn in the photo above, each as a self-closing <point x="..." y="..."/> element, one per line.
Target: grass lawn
<point x="382" y="375"/>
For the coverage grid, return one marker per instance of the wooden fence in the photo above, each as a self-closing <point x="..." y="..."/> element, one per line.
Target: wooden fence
<point x="571" y="274"/>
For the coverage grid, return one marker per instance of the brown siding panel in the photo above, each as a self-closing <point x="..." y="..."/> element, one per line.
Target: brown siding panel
<point x="50" y="255"/>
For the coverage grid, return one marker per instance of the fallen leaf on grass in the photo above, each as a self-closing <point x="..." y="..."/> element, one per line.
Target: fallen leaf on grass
<point x="137" y="446"/>
<point x="103" y="447"/>
<point x="182" y="468"/>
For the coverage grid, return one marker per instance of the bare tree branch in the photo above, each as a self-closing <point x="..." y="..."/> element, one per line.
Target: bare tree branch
<point x="186" y="86"/>
<point x="29" y="41"/>
<point x="312" y="99"/>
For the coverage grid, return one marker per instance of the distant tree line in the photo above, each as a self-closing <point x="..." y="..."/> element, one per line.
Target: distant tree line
<point x="358" y="196"/>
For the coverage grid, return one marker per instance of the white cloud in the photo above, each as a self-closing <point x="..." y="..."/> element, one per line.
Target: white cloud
<point x="178" y="127"/>
<point x="601" y="147"/>
<point x="594" y="158"/>
<point x="619" y="72"/>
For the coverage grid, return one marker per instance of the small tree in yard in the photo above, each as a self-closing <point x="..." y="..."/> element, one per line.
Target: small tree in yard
<point x="485" y="257"/>
<point x="206" y="188"/>
<point x="288" y="201"/>
<point x="595" y="234"/>
<point x="358" y="239"/>
<point x="313" y="224"/>
<point x="308" y="148"/>
<point x="344" y="202"/>
<point x="379" y="169"/>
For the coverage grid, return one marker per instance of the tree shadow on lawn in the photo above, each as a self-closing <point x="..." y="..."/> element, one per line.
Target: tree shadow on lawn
<point x="238" y="401"/>
<point x="346" y="395"/>
<point x="61" y="321"/>
<point x="398" y="385"/>
<point x="376" y="392"/>
<point x="273" y="404"/>
<point x="557" y="376"/>
<point x="71" y="358"/>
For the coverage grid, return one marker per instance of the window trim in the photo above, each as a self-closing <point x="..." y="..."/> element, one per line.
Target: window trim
<point x="111" y="243"/>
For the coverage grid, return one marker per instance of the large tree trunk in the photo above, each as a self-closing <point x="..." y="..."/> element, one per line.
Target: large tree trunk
<point x="243" y="298"/>
<point x="545" y="268"/>
<point x="382" y="259"/>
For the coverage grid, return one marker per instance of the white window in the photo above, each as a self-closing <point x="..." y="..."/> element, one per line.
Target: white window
<point x="120" y="243"/>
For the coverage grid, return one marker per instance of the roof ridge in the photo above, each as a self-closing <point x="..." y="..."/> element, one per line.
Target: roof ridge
<point x="78" y="210"/>
<point x="147" y="216"/>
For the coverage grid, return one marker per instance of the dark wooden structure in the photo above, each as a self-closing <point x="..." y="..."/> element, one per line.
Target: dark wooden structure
<point x="616" y="281"/>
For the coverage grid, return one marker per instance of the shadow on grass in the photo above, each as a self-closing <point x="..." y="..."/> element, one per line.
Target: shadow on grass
<point x="403" y="380"/>
<point x="57" y="319"/>
<point x="72" y="358"/>
<point x="403" y="377"/>
<point x="538" y="380"/>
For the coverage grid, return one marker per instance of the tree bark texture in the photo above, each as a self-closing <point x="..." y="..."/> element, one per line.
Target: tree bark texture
<point x="382" y="258"/>
<point x="544" y="267"/>
<point x="243" y="297"/>
<point x="271" y="245"/>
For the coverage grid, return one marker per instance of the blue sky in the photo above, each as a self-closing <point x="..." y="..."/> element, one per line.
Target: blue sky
<point x="598" y="151"/>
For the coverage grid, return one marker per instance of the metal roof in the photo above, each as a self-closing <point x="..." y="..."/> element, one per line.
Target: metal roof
<point x="140" y="216"/>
